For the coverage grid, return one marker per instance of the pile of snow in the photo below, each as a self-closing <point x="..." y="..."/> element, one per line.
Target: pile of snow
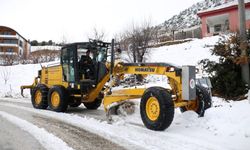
<point x="188" y="53"/>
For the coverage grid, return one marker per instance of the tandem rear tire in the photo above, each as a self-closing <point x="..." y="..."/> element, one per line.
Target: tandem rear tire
<point x="157" y="108"/>
<point x="39" y="96"/>
<point x="58" y="99"/>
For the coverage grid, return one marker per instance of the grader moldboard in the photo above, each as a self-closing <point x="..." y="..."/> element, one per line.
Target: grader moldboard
<point x="71" y="83"/>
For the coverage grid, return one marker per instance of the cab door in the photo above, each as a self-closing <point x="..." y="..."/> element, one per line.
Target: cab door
<point x="68" y="63"/>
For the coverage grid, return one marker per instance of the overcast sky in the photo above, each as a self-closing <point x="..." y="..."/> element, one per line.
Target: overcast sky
<point x="75" y="19"/>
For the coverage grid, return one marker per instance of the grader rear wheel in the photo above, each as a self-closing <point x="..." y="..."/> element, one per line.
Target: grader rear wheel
<point x="58" y="99"/>
<point x="39" y="97"/>
<point x="157" y="108"/>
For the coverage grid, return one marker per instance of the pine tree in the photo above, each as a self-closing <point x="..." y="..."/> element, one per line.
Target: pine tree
<point x="226" y="74"/>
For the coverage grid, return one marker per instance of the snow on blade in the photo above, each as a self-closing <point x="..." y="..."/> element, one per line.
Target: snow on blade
<point x="48" y="140"/>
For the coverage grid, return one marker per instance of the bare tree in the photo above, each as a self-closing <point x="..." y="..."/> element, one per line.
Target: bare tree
<point x="5" y="74"/>
<point x="99" y="35"/>
<point x="44" y="55"/>
<point x="9" y="58"/>
<point x="137" y="39"/>
<point x="63" y="40"/>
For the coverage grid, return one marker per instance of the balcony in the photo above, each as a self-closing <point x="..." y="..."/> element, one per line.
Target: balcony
<point x="8" y="53"/>
<point x="8" y="45"/>
<point x="9" y="36"/>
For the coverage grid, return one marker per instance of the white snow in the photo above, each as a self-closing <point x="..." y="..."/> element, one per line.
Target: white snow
<point x="48" y="140"/>
<point x="46" y="47"/>
<point x="188" y="53"/>
<point x="225" y="125"/>
<point x="18" y="75"/>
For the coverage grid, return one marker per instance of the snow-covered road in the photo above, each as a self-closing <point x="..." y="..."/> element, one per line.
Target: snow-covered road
<point x="38" y="131"/>
<point x="12" y="137"/>
<point x="80" y="128"/>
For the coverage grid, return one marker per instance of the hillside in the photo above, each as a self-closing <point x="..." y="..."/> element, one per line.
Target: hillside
<point x="188" y="17"/>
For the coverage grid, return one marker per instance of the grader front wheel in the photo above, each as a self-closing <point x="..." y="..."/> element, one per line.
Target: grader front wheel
<point x="157" y="108"/>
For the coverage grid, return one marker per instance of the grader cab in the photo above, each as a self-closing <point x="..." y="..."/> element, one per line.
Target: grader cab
<point x="73" y="82"/>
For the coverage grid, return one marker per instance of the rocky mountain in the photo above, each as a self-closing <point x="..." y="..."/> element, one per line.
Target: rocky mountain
<point x="188" y="18"/>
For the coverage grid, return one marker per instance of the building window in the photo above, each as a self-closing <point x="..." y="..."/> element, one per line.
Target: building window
<point x="6" y="33"/>
<point x="10" y="50"/>
<point x="208" y="29"/>
<point x="226" y="25"/>
<point x="9" y="41"/>
<point x="217" y="28"/>
<point x="21" y="43"/>
<point x="248" y="14"/>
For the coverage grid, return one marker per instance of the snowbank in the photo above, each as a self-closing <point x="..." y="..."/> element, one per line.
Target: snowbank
<point x="16" y="76"/>
<point x="48" y="140"/>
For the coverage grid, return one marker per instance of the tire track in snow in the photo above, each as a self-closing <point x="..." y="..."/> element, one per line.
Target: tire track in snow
<point x="134" y="135"/>
<point x="47" y="140"/>
<point x="92" y="125"/>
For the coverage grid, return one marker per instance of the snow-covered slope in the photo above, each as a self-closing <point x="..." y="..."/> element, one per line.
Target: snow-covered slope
<point x="188" y="53"/>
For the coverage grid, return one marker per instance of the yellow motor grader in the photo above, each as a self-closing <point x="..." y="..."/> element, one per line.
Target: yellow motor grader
<point x="73" y="82"/>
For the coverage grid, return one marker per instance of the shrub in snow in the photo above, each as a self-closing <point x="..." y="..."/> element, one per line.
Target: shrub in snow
<point x="226" y="74"/>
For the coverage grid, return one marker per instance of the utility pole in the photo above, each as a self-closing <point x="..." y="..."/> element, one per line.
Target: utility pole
<point x="243" y="42"/>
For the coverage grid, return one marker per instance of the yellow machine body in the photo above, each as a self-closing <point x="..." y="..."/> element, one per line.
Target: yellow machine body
<point x="125" y="94"/>
<point x="53" y="87"/>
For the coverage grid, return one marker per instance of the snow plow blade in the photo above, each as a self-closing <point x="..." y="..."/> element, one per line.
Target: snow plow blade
<point x="118" y="103"/>
<point x="123" y="108"/>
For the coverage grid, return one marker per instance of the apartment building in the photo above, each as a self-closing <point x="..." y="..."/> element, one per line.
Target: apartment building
<point x="12" y="43"/>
